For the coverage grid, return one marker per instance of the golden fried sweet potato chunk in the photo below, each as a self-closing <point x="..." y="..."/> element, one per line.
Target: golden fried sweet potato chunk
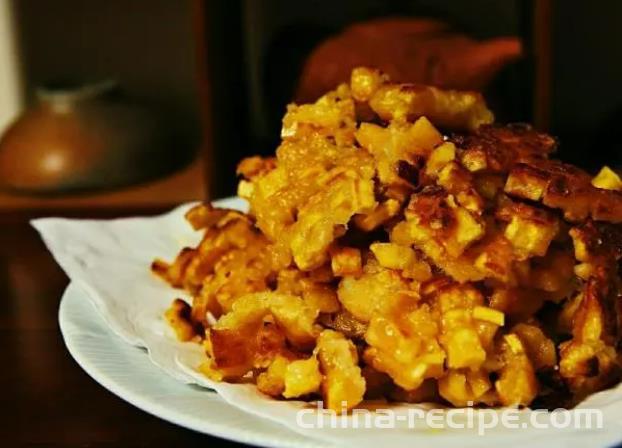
<point x="291" y="313"/>
<point x="302" y="377"/>
<point x="494" y="257"/>
<point x="467" y="329"/>
<point x="315" y="290"/>
<point x="233" y="352"/>
<point x="272" y="380"/>
<point x="393" y="256"/>
<point x="465" y="388"/>
<point x="607" y="179"/>
<point x="343" y="385"/>
<point x="565" y="187"/>
<point x="530" y="230"/>
<point x="332" y="114"/>
<point x="402" y="258"/>
<point x="588" y="361"/>
<point x="290" y="378"/>
<point x="232" y="259"/>
<point x="596" y="242"/>
<point x="458" y="181"/>
<point x="377" y="290"/>
<point x="527" y="182"/>
<point x="315" y="229"/>
<point x="365" y="81"/>
<point x="517" y="382"/>
<point x="408" y="357"/>
<point x="497" y="148"/>
<point x="346" y="261"/>
<point x="441" y="156"/>
<point x="382" y="213"/>
<point x="434" y="214"/>
<point x="449" y="109"/>
<point x="398" y="143"/>
<point x="178" y="316"/>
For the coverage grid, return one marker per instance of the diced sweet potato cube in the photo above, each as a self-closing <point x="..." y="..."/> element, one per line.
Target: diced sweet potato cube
<point x="467" y="230"/>
<point x="607" y="179"/>
<point x="425" y="134"/>
<point x="393" y="256"/>
<point x="459" y="182"/>
<point x="526" y="182"/>
<point x="365" y="81"/>
<point x="450" y="108"/>
<point x="489" y="315"/>
<point x="343" y="385"/>
<point x="346" y="261"/>
<point x="530" y="236"/>
<point x="378" y="216"/>
<point x="373" y="292"/>
<point x="441" y="156"/>
<point x="178" y="316"/>
<point x="399" y="142"/>
<point x="517" y="384"/>
<point x="302" y="377"/>
<point x="474" y="160"/>
<point x="494" y="256"/>
<point x="403" y="356"/>
<point x="272" y="381"/>
<point x="464" y="349"/>
<point x="464" y="388"/>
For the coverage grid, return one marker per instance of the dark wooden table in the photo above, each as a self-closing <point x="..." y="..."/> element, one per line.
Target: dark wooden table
<point x="47" y="399"/>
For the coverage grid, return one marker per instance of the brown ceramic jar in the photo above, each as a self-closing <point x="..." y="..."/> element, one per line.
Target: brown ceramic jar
<point x="82" y="138"/>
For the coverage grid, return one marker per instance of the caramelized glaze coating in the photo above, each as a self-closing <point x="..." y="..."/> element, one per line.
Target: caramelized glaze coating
<point x="381" y="258"/>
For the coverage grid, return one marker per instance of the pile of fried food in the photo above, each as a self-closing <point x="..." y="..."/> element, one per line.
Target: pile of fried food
<point x="402" y="246"/>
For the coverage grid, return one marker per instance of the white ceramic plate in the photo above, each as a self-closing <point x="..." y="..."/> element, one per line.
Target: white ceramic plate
<point x="95" y="254"/>
<point x="126" y="371"/>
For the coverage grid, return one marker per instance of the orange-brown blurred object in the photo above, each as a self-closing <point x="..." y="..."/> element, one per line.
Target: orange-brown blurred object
<point x="84" y="137"/>
<point x="408" y="50"/>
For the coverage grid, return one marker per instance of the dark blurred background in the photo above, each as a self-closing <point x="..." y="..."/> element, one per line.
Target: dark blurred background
<point x="205" y="83"/>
